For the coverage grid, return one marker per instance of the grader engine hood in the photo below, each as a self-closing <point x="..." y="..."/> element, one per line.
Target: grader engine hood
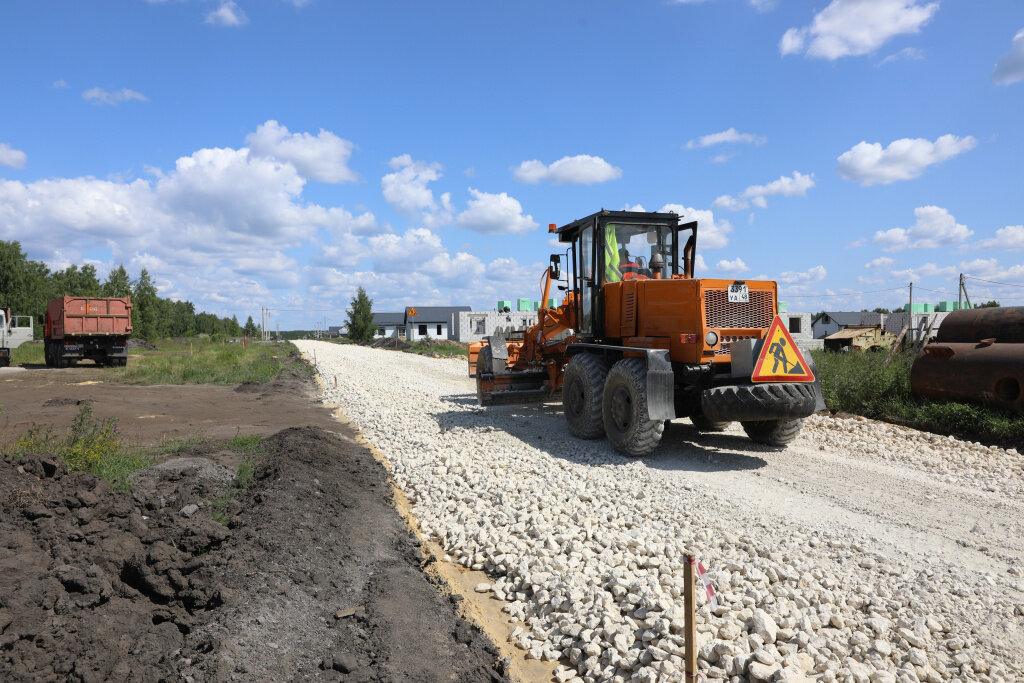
<point x="698" y="320"/>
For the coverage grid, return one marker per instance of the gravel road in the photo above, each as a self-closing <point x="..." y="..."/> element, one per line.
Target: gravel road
<point x="863" y="552"/>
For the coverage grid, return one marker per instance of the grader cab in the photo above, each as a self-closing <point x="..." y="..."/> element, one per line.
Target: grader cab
<point x="639" y="340"/>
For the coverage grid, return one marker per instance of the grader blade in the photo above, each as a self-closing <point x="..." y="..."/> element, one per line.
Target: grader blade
<point x="494" y="389"/>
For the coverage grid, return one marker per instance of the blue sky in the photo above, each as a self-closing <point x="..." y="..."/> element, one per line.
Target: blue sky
<point x="282" y="153"/>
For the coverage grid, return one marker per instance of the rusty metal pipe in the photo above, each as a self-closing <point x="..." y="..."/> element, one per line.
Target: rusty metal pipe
<point x="1005" y="325"/>
<point x="990" y="373"/>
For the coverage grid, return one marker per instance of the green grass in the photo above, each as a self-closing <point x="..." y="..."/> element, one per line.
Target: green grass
<point x="253" y="448"/>
<point x="863" y="384"/>
<point x="200" y="361"/>
<point x="204" y="362"/>
<point x="28" y="354"/>
<point x="448" y="349"/>
<point x="89" y="445"/>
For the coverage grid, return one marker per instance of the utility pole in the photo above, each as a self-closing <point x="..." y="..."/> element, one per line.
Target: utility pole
<point x="910" y="312"/>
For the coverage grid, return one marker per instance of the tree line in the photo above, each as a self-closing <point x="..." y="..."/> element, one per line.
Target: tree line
<point x="26" y="286"/>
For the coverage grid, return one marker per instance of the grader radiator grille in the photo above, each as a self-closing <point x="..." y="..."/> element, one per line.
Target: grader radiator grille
<point x="719" y="313"/>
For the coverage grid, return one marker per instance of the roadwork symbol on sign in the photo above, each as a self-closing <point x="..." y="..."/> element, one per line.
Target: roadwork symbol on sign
<point x="780" y="360"/>
<point x="412" y="312"/>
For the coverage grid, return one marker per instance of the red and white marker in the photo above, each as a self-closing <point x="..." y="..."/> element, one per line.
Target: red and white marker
<point x="709" y="590"/>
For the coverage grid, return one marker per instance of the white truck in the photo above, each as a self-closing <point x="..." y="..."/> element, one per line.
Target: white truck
<point x="14" y="331"/>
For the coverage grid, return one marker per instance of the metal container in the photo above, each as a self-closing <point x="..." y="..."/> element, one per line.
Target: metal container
<point x="988" y="373"/>
<point x="1004" y="324"/>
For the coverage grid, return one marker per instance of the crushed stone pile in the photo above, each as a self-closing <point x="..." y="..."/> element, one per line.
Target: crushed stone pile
<point x="586" y="548"/>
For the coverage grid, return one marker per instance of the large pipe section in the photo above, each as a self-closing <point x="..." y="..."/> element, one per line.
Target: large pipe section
<point x="1005" y="325"/>
<point x="978" y="373"/>
<point x="978" y="356"/>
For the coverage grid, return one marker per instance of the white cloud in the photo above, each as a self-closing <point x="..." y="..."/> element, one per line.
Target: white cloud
<point x="815" y="274"/>
<point x="711" y="234"/>
<point x="726" y="136"/>
<point x="734" y="267"/>
<point x="721" y="158"/>
<point x="785" y="186"/>
<point x="9" y="156"/>
<point x="856" y="27"/>
<point x="582" y="169"/>
<point x="935" y="227"/>
<point x="927" y="270"/>
<point x="991" y="270"/>
<point x="58" y="84"/>
<point x="227" y="14"/>
<point x="462" y="270"/>
<point x="904" y="159"/>
<point x="729" y="203"/>
<point x="406" y="190"/>
<point x="1009" y="238"/>
<point x="112" y="97"/>
<point x="495" y="214"/>
<point x="323" y="157"/>
<point x="394" y="254"/>
<point x="700" y="266"/>
<point x="1010" y="67"/>
<point x="906" y="53"/>
<point x="880" y="262"/>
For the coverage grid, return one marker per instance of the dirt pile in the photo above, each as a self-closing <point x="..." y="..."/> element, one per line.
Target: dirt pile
<point x="93" y="584"/>
<point x="332" y="579"/>
<point x="316" y="578"/>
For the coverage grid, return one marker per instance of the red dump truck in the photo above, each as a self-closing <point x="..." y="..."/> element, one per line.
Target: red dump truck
<point x="79" y="327"/>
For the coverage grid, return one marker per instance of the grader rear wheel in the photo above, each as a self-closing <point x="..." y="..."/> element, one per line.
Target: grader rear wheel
<point x="624" y="408"/>
<point x="582" y="388"/>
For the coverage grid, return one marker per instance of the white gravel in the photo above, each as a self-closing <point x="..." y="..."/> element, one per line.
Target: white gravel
<point x="863" y="552"/>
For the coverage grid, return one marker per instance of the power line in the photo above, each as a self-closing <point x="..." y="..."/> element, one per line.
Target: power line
<point x="815" y="296"/>
<point x="992" y="282"/>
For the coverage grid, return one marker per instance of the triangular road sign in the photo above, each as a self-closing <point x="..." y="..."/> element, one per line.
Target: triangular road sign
<point x="412" y="312"/>
<point x="780" y="360"/>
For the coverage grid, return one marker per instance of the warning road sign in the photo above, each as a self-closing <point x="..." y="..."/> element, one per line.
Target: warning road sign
<point x="412" y="312"/>
<point x="780" y="360"/>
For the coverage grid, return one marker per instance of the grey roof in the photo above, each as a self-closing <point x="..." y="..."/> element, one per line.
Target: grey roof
<point x="844" y="318"/>
<point x="388" y="319"/>
<point x="435" y="314"/>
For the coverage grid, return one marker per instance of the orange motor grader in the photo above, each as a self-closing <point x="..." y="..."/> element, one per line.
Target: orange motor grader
<point x="638" y="341"/>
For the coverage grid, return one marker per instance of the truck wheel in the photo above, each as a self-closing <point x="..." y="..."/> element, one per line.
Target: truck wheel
<point x="582" y="388"/>
<point x="705" y="424"/>
<point x="483" y="362"/>
<point x="624" y="409"/>
<point x="773" y="432"/>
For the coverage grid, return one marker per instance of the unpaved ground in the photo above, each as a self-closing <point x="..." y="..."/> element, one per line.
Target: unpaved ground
<point x="863" y="551"/>
<point x="317" y="576"/>
<point x="151" y="414"/>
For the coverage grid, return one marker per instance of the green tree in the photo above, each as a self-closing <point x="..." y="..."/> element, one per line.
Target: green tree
<point x="250" y="328"/>
<point x="881" y="310"/>
<point x="118" y="283"/>
<point x="988" y="304"/>
<point x="144" y="307"/>
<point x="75" y="281"/>
<point x="360" y="317"/>
<point x="25" y="285"/>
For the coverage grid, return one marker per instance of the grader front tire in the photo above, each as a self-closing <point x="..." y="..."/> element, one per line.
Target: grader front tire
<point x="773" y="432"/>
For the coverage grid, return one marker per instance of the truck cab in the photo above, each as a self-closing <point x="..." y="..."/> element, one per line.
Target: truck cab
<point x="14" y="331"/>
